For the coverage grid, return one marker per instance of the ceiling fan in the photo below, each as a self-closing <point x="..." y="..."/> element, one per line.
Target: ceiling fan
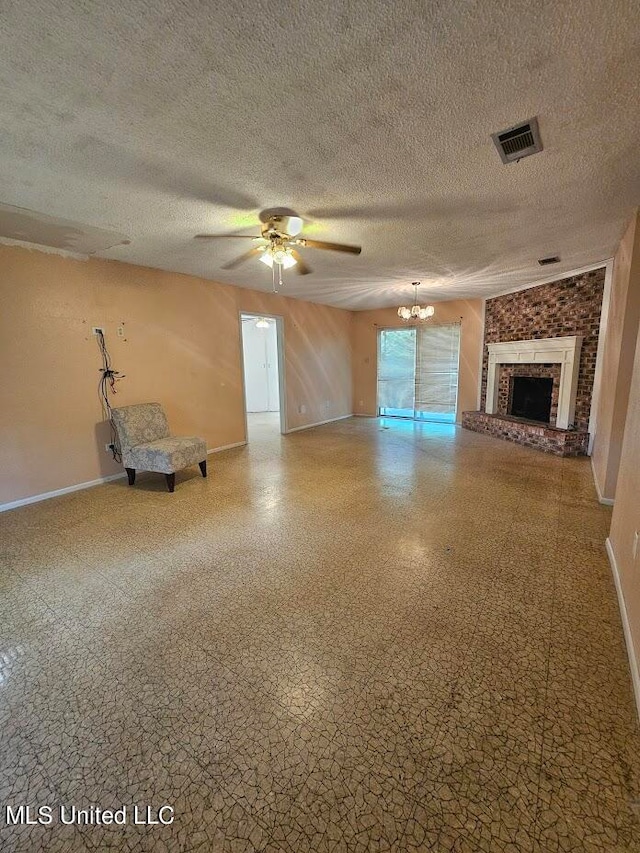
<point x="278" y="243"/>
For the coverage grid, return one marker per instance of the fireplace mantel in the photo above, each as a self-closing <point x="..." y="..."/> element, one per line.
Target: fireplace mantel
<point x="565" y="351"/>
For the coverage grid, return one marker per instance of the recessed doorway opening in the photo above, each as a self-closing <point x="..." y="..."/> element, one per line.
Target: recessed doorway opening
<point x="263" y="374"/>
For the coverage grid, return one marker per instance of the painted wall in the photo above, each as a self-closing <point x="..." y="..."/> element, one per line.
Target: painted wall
<point x="365" y="351"/>
<point x="625" y="523"/>
<point x="617" y="360"/>
<point x="181" y="347"/>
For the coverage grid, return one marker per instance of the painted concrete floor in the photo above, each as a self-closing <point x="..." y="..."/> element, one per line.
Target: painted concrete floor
<point x="354" y="638"/>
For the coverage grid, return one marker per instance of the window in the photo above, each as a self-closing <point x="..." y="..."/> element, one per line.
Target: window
<point x="418" y="372"/>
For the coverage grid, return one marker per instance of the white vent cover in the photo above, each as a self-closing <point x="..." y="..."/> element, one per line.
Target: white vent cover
<point x="518" y="141"/>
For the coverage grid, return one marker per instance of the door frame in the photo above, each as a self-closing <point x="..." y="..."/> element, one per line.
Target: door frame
<point x="279" y="320"/>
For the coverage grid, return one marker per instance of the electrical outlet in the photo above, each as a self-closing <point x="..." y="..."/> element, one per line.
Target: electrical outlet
<point x="120" y="332"/>
<point x="634" y="548"/>
<point x="97" y="330"/>
<point x="302" y="409"/>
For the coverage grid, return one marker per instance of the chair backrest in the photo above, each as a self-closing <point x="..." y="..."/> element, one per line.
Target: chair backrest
<point x="139" y="424"/>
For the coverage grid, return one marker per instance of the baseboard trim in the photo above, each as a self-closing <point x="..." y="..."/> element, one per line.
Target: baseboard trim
<point x="226" y="447"/>
<point x="57" y="492"/>
<point x="603" y="500"/>
<point x="362" y="415"/>
<point x="319" y="423"/>
<point x="626" y="627"/>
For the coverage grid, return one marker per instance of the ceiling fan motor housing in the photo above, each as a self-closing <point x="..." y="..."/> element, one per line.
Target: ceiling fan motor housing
<point x="283" y="226"/>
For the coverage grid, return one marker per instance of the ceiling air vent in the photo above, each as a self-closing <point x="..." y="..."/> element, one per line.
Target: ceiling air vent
<point x="518" y="141"/>
<point x="552" y="259"/>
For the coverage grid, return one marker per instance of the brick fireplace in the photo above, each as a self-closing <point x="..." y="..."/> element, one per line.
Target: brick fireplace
<point x="530" y="397"/>
<point x="509" y="373"/>
<point x="546" y="332"/>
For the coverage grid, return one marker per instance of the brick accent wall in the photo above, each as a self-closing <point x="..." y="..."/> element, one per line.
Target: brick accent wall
<point x="570" y="306"/>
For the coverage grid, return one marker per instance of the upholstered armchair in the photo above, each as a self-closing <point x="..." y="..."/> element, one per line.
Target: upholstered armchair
<point x="146" y="445"/>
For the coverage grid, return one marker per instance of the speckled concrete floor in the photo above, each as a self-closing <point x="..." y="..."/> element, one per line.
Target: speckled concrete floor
<point x="348" y="639"/>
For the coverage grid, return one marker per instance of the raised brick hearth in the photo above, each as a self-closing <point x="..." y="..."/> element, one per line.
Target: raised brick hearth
<point x="560" y="442"/>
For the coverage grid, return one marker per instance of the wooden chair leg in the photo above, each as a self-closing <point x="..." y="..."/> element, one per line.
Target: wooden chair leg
<point x="203" y="467"/>
<point x="171" y="481"/>
<point x="131" y="474"/>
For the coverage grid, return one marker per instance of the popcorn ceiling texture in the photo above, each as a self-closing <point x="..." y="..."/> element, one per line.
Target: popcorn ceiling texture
<point x="570" y="306"/>
<point x="373" y="120"/>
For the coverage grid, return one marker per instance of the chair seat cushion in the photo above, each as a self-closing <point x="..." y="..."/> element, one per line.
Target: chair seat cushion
<point x="167" y="455"/>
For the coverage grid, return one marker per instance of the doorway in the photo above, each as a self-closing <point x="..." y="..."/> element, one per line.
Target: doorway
<point x="418" y="372"/>
<point x="262" y="370"/>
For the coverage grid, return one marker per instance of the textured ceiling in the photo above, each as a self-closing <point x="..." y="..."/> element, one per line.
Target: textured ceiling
<point x="160" y="120"/>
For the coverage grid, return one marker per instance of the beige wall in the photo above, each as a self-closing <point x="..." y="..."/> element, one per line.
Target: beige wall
<point x="181" y="347"/>
<point x="617" y="361"/>
<point x="365" y="351"/>
<point x="625" y="523"/>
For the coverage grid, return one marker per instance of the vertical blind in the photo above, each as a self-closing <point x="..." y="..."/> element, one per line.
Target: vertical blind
<point x="437" y="350"/>
<point x="396" y="372"/>
<point x="418" y="372"/>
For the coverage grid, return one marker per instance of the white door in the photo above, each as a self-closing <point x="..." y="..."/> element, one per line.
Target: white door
<point x="255" y="367"/>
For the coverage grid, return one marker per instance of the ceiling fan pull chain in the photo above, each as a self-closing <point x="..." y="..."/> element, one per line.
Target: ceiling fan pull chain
<point x="273" y="278"/>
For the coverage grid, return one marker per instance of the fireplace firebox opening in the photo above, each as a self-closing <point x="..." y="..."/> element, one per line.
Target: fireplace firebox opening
<point x="531" y="398"/>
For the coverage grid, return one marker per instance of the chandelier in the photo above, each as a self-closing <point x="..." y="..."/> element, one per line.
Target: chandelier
<point x="416" y="312"/>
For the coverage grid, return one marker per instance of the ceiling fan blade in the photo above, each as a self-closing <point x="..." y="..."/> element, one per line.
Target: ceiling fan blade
<point x="257" y="250"/>
<point x="227" y="237"/>
<point x="333" y="247"/>
<point x="301" y="268"/>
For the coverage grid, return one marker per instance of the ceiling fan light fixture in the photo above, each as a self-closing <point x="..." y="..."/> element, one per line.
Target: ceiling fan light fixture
<point x="280" y="255"/>
<point x="294" y="226"/>
<point x="288" y="261"/>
